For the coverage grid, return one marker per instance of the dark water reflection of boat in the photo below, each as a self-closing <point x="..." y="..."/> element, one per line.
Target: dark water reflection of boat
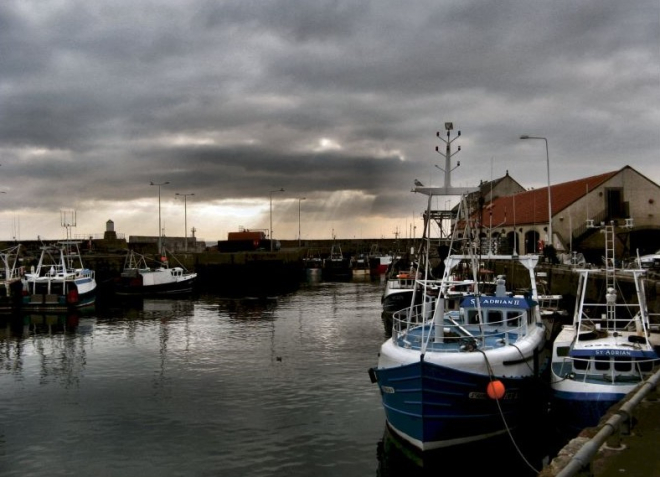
<point x="524" y="453"/>
<point x="27" y="324"/>
<point x="207" y="386"/>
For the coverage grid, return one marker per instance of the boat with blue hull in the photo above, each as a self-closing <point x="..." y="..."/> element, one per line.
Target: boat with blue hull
<point x="464" y="359"/>
<point x="606" y="352"/>
<point x="455" y="373"/>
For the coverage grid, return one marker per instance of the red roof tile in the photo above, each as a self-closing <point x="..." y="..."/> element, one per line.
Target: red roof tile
<point x="531" y="207"/>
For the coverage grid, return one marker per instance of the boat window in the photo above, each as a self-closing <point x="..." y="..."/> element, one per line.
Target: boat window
<point x="623" y="364"/>
<point x="646" y="365"/>
<point x="495" y="317"/>
<point x="513" y="318"/>
<point x="563" y="350"/>
<point x="580" y="364"/>
<point x="602" y="363"/>
<point x="473" y="317"/>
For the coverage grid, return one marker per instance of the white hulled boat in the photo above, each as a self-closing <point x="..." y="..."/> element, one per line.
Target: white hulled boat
<point x="606" y="352"/>
<point x="139" y="279"/>
<point x="59" y="281"/>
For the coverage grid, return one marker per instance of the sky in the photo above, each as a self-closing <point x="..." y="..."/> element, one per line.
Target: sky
<point x="336" y="102"/>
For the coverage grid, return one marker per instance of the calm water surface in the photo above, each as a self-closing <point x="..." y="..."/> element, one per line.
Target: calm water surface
<point x="200" y="387"/>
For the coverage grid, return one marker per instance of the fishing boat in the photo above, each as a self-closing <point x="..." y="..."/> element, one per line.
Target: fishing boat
<point x="360" y="264"/>
<point x="313" y="260"/>
<point x="336" y="267"/>
<point x="463" y="362"/>
<point x="139" y="279"/>
<point x="11" y="285"/>
<point x="399" y="284"/>
<point x="606" y="351"/>
<point x="60" y="281"/>
<point x="378" y="262"/>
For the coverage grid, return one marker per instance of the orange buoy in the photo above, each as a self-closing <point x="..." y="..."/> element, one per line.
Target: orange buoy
<point x="495" y="389"/>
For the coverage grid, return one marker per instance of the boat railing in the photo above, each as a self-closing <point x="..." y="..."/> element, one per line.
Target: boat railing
<point x="612" y="370"/>
<point x="416" y="327"/>
<point x="602" y="317"/>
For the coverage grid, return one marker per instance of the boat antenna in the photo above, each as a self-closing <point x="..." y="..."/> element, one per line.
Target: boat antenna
<point x="68" y="220"/>
<point x="447" y="188"/>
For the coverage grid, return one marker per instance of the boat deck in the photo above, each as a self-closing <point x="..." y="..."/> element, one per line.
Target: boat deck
<point x="457" y="338"/>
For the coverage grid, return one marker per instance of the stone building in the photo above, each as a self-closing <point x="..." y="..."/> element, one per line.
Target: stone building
<point x="579" y="207"/>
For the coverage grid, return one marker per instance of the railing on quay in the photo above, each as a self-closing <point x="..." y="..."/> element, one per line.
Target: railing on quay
<point x="617" y="424"/>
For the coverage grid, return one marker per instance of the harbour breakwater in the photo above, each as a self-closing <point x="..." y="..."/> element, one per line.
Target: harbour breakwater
<point x="264" y="272"/>
<point x="260" y="273"/>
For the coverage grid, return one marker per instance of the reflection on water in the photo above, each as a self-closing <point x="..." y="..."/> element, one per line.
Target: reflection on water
<point x="523" y="453"/>
<point x="202" y="386"/>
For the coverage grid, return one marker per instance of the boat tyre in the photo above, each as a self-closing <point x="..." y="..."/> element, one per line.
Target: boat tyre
<point x="637" y="339"/>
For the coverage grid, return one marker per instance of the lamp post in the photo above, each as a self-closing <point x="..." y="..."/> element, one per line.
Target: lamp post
<point x="299" y="200"/>
<point x="547" y="155"/>
<point x="159" y="229"/>
<point x="271" y="216"/>
<point x="185" y="218"/>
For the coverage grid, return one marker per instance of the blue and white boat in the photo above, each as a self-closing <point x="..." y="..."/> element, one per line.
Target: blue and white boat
<point x="461" y="368"/>
<point x="59" y="281"/>
<point x="464" y="359"/>
<point x="607" y="351"/>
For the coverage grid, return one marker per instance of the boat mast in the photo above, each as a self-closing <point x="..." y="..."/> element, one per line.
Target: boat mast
<point x="67" y="220"/>
<point x="610" y="268"/>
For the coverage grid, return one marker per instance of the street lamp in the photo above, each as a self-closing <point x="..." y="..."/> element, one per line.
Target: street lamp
<point x="547" y="155"/>
<point x="159" y="229"/>
<point x="299" y="200"/>
<point x="271" y="216"/>
<point x="185" y="218"/>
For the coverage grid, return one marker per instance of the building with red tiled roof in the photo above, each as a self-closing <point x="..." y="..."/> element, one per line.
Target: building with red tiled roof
<point x="613" y="196"/>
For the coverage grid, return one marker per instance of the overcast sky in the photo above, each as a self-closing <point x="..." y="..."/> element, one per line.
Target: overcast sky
<point x="334" y="101"/>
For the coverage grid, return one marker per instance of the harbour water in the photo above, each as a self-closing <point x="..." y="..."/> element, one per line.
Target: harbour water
<point x="208" y="386"/>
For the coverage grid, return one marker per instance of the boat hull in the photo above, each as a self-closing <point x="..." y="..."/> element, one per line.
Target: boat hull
<point x="83" y="297"/>
<point x="397" y="300"/>
<point x="131" y="287"/>
<point x="577" y="411"/>
<point x="432" y="406"/>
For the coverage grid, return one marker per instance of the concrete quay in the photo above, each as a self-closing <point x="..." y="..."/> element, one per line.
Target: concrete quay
<point x="625" y="443"/>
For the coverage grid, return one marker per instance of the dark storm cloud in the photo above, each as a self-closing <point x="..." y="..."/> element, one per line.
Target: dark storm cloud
<point x="232" y="99"/>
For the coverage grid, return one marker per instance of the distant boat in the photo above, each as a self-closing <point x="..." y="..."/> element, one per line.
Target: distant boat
<point x="139" y="279"/>
<point x="313" y="260"/>
<point x="336" y="266"/>
<point x="606" y="351"/>
<point x="378" y="262"/>
<point x="360" y="264"/>
<point x="60" y="281"/>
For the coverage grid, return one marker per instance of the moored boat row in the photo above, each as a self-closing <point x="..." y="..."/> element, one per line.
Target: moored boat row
<point x="468" y="358"/>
